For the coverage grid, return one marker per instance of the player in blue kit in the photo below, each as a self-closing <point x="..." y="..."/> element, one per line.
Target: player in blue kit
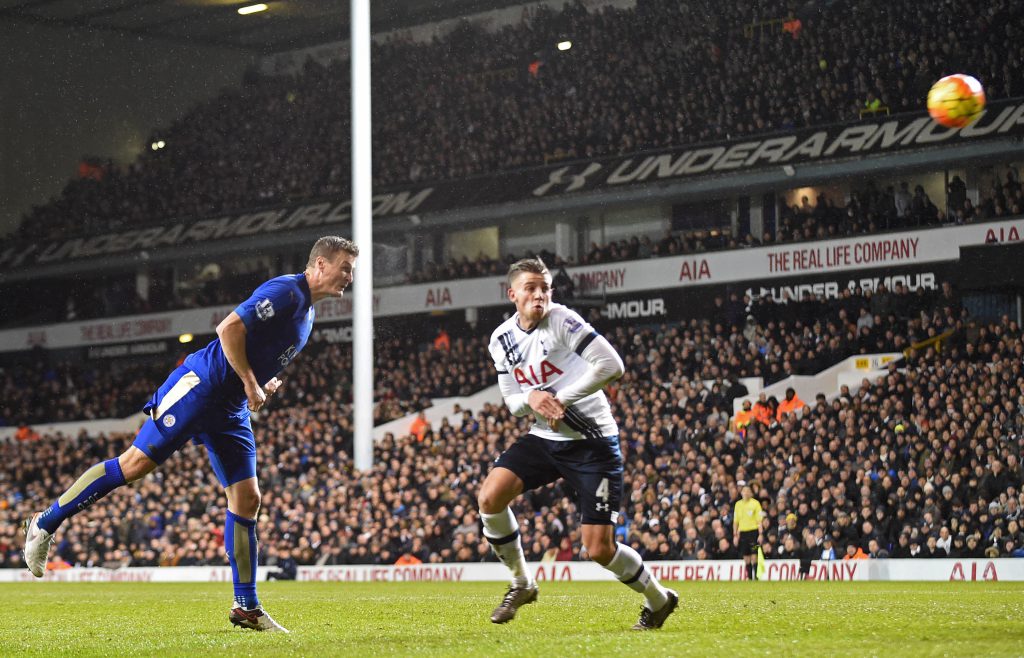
<point x="209" y="398"/>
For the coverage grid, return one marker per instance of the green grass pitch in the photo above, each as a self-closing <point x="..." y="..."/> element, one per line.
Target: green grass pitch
<point x="570" y="619"/>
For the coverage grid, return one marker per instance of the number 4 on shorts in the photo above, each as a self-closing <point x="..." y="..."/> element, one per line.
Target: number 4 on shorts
<point x="602" y="490"/>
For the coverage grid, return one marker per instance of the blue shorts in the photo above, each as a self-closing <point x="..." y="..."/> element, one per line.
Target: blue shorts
<point x="184" y="408"/>
<point x="593" y="467"/>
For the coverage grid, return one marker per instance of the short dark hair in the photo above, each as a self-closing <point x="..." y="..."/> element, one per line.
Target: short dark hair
<point x="328" y="246"/>
<point x="531" y="265"/>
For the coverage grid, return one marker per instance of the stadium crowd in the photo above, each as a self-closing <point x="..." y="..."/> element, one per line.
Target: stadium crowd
<point x="923" y="462"/>
<point x="747" y="337"/>
<point x="661" y="74"/>
<point x="407" y="378"/>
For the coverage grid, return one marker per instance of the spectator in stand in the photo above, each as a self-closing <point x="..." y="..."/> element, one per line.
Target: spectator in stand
<point x="854" y="552"/>
<point x="407" y="559"/>
<point x="420" y="426"/>
<point x="791" y="405"/>
<point x="762" y="411"/>
<point x="743" y="418"/>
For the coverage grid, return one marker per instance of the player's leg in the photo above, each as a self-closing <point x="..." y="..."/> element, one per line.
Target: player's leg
<point x="95" y="483"/>
<point x="172" y="410"/>
<point x="501" y="529"/>
<point x="523" y="466"/>
<point x="629" y="568"/>
<point x="240" y="541"/>
<point x="232" y="452"/>
<point x="594" y="468"/>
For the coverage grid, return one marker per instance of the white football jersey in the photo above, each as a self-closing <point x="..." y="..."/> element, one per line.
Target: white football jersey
<point x="549" y="357"/>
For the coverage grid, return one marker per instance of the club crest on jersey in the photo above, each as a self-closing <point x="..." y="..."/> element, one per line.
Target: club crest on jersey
<point x="169" y="420"/>
<point x="531" y="377"/>
<point x="264" y="309"/>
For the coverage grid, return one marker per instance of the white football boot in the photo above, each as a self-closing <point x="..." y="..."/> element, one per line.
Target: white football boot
<point x="37" y="546"/>
<point x="257" y="620"/>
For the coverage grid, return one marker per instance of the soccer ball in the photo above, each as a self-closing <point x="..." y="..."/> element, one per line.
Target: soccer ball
<point x="956" y="100"/>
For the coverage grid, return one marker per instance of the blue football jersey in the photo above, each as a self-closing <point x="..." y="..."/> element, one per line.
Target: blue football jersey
<point x="278" y="319"/>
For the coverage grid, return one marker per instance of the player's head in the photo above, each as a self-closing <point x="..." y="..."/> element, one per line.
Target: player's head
<point x="331" y="266"/>
<point x="329" y="247"/>
<point x="529" y="288"/>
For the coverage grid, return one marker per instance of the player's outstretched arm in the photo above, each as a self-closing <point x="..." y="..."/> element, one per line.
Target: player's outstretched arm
<point x="605" y="367"/>
<point x="232" y="332"/>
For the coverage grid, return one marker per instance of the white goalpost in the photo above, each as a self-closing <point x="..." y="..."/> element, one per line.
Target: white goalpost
<point x="362" y="233"/>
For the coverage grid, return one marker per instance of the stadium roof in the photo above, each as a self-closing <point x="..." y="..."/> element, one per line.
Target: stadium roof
<point x="287" y="25"/>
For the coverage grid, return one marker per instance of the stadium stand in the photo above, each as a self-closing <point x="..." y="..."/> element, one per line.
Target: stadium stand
<point x="752" y="338"/>
<point x="469" y="104"/>
<point x="816" y="222"/>
<point x="408" y="377"/>
<point x="922" y="462"/>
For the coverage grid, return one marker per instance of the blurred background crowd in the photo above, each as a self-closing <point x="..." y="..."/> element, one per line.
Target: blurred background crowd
<point x="922" y="462"/>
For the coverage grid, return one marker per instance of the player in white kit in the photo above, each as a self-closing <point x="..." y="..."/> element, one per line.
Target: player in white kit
<point x="553" y="364"/>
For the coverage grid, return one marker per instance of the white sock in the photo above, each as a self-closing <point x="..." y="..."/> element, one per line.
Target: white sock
<point x="502" y="531"/>
<point x="628" y="567"/>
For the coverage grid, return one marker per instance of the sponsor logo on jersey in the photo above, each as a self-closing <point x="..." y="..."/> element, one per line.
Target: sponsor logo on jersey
<point x="169" y="420"/>
<point x="264" y="309"/>
<point x="531" y="377"/>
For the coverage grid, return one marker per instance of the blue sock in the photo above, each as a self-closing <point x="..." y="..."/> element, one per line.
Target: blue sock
<point x="94" y="484"/>
<point x="241" y="546"/>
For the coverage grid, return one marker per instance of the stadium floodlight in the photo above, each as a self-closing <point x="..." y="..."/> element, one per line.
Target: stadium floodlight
<point x="161" y="144"/>
<point x="252" y="9"/>
<point x="185" y="338"/>
<point x="564" y="45"/>
<point x="154" y="146"/>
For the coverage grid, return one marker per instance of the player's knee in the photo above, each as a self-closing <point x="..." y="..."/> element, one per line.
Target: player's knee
<point x="244" y="498"/>
<point x="135" y="464"/>
<point x="489" y="502"/>
<point x="601" y="552"/>
<point x="485" y="502"/>
<point x="249" y="503"/>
